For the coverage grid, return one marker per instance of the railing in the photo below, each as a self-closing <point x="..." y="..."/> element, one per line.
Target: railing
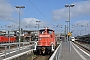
<point x="15" y="50"/>
<point x="56" y="54"/>
<point x="6" y="53"/>
<point x="12" y="57"/>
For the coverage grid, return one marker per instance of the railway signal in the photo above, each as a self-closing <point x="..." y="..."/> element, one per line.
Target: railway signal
<point x="69" y="34"/>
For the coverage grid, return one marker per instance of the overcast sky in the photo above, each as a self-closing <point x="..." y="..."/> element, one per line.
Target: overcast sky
<point x="51" y="13"/>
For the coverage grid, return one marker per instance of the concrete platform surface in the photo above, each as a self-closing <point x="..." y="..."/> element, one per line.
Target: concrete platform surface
<point x="74" y="54"/>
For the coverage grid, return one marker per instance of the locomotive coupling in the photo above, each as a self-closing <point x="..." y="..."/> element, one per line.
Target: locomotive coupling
<point x="43" y="50"/>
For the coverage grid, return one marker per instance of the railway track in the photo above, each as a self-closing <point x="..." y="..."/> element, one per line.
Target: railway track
<point x="84" y="46"/>
<point x="32" y="56"/>
<point x="13" y="45"/>
<point x="44" y="57"/>
<point x="40" y="57"/>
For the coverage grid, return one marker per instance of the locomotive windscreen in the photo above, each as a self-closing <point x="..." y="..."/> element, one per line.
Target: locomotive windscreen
<point x="49" y="31"/>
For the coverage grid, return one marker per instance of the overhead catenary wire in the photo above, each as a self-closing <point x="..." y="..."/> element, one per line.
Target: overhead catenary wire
<point x="47" y="4"/>
<point x="41" y="12"/>
<point x="7" y="19"/>
<point x="49" y="9"/>
<point x="38" y="10"/>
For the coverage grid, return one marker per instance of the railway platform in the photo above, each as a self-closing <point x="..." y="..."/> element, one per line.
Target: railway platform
<point x="73" y="54"/>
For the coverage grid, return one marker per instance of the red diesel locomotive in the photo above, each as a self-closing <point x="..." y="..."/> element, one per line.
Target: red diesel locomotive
<point x="5" y="39"/>
<point x="46" y="42"/>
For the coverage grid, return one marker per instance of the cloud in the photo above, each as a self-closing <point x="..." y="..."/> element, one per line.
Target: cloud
<point x="6" y="10"/>
<point x="31" y="22"/>
<point x="80" y="8"/>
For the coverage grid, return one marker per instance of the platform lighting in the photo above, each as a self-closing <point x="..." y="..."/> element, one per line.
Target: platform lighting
<point x="9" y="36"/>
<point x="38" y="25"/>
<point x="68" y="6"/>
<point x="69" y="13"/>
<point x="67" y="29"/>
<point x="19" y="7"/>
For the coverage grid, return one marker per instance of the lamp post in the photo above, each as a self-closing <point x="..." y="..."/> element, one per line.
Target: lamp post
<point x="69" y="22"/>
<point x="65" y="33"/>
<point x="19" y="7"/>
<point x="77" y="30"/>
<point x="67" y="29"/>
<point x="87" y="28"/>
<point x="9" y="33"/>
<point x="69" y="13"/>
<point x="9" y="37"/>
<point x="38" y="26"/>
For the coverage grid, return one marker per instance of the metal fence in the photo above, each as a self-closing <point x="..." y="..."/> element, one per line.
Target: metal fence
<point x="11" y="53"/>
<point x="56" y="54"/>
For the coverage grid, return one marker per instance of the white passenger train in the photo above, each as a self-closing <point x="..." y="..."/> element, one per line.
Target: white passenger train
<point x="73" y="39"/>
